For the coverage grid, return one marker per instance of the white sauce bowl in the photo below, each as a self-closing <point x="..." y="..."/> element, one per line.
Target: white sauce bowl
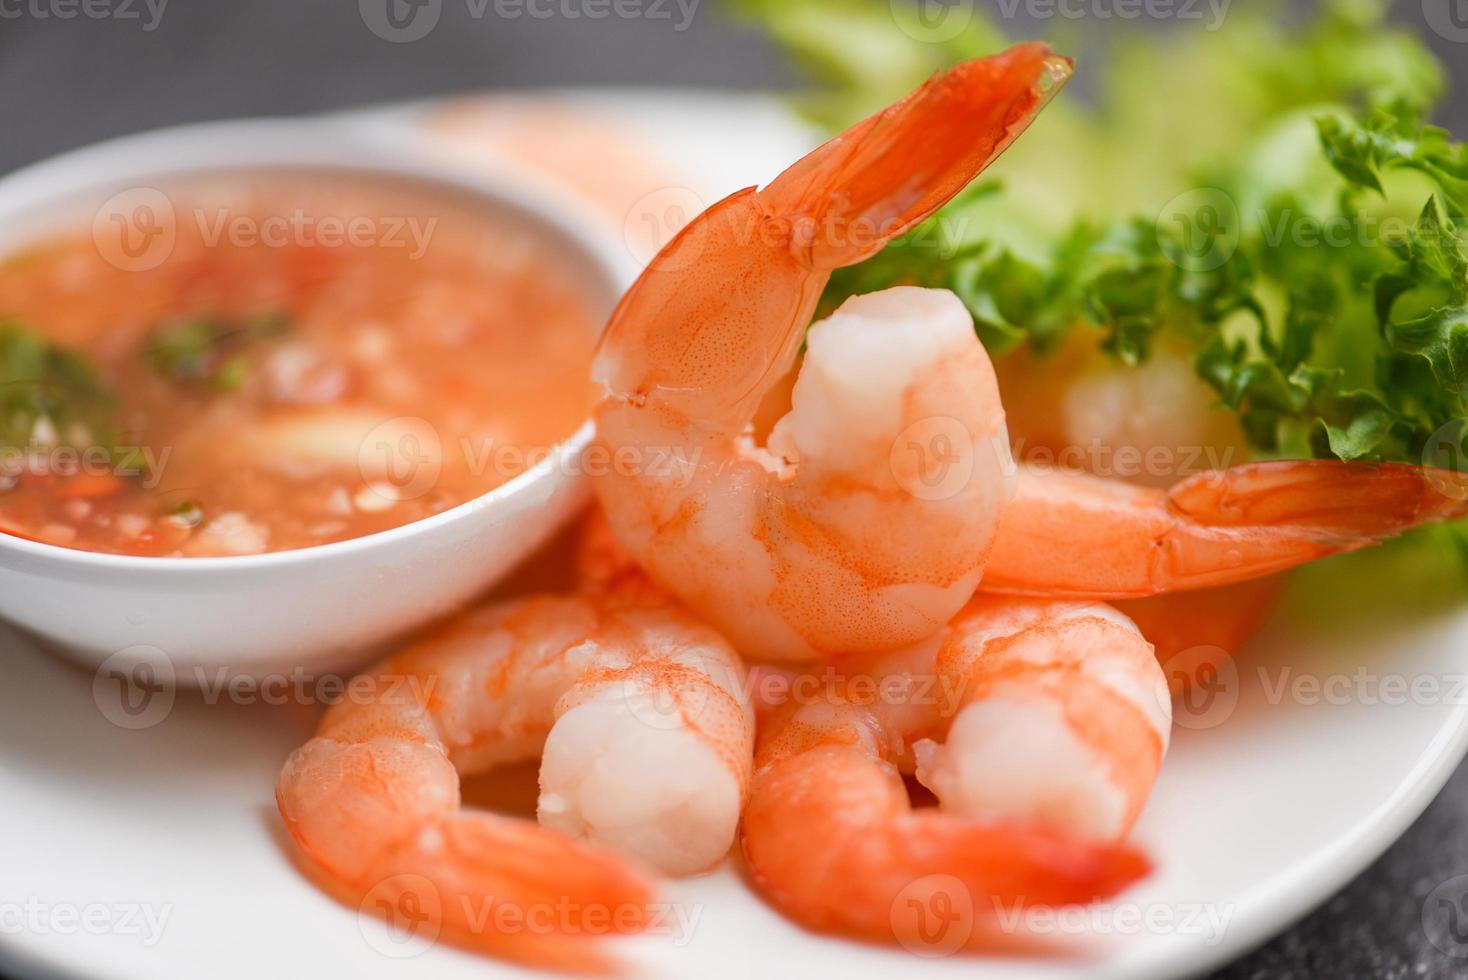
<point x="318" y="609"/>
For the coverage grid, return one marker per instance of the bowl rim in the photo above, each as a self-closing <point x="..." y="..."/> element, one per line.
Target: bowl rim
<point x="316" y="143"/>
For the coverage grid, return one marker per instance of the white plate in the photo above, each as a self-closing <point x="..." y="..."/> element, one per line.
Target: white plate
<point x="1256" y="819"/>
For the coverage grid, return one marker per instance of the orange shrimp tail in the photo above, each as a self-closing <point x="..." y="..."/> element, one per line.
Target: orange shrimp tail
<point x="515" y="890"/>
<point x="721" y="309"/>
<point x="507" y="887"/>
<point x="894" y="169"/>
<point x="830" y="837"/>
<point x="1349" y="501"/>
<point x="1080" y="536"/>
<point x="1303" y="510"/>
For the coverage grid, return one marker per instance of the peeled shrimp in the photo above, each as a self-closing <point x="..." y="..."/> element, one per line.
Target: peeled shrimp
<point x="1039" y="724"/>
<point x="646" y="734"/>
<point x="863" y="523"/>
<point x="1067" y="533"/>
<point x="1150" y="423"/>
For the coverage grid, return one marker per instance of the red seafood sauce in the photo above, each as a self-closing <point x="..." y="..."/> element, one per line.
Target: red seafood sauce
<point x="274" y="360"/>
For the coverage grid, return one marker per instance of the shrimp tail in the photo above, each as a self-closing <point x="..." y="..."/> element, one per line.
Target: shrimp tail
<point x="515" y="890"/>
<point x="752" y="266"/>
<point x="894" y="169"/>
<point x="1354" y="503"/>
<point x="1077" y="535"/>
<point x="1303" y="510"/>
<point x="876" y="851"/>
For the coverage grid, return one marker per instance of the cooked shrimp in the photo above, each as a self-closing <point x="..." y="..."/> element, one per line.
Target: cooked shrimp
<point x="1151" y="423"/>
<point x="1053" y="720"/>
<point x="646" y="736"/>
<point x="863" y="523"/>
<point x="1066" y="533"/>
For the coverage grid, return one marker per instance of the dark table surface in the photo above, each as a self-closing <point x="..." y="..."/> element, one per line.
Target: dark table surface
<point x="65" y="83"/>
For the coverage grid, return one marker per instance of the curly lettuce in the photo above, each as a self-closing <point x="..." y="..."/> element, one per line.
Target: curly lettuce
<point x="1282" y="206"/>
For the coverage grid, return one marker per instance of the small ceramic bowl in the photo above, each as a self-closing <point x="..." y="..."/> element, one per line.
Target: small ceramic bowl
<point x="318" y="609"/>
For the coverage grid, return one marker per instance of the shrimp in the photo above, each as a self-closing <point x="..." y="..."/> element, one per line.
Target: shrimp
<point x="1150" y="423"/>
<point x="647" y="740"/>
<point x="843" y="532"/>
<point x="1041" y="738"/>
<point x="1068" y="533"/>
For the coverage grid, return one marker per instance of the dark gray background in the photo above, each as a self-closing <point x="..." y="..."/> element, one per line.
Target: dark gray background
<point x="67" y="83"/>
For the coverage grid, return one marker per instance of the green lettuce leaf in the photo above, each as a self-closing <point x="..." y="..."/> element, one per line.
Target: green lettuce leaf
<point x="1282" y="206"/>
